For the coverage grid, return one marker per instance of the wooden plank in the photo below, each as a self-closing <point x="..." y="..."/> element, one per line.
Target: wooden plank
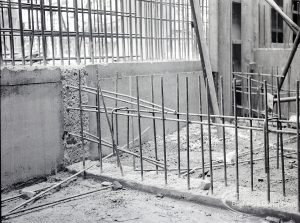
<point x="205" y="59"/>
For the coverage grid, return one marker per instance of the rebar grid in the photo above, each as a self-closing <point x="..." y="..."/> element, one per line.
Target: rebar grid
<point x="269" y="120"/>
<point x="96" y="31"/>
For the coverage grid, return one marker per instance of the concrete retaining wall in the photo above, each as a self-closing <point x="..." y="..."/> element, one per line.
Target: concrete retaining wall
<point x="34" y="115"/>
<point x="31" y="123"/>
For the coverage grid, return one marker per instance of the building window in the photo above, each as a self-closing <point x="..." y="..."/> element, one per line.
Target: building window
<point x="296" y="14"/>
<point x="277" y="24"/>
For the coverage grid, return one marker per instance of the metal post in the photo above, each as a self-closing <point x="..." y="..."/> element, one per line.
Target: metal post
<point x="187" y="133"/>
<point x="236" y="139"/>
<point x="139" y="127"/>
<point x="99" y="126"/>
<point x="280" y="138"/>
<point x="154" y="123"/>
<point x="209" y="136"/>
<point x="267" y="139"/>
<point x="223" y="132"/>
<point x="201" y="127"/>
<point x="178" y="125"/>
<point x="298" y="139"/>
<point x="251" y="132"/>
<point x="164" y="128"/>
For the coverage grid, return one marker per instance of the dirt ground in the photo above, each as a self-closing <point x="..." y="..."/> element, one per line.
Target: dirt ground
<point x="259" y="176"/>
<point x="116" y="206"/>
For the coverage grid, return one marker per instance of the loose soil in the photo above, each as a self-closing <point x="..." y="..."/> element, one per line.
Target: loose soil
<point x="116" y="206"/>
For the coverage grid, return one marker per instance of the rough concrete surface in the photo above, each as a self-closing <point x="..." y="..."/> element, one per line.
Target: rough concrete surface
<point x="72" y="145"/>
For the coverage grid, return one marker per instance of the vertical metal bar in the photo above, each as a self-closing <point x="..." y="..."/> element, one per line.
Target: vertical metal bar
<point x="83" y="31"/>
<point x="123" y="30"/>
<point x="116" y="105"/>
<point x="91" y="45"/>
<point x="12" y="45"/>
<point x="136" y="32"/>
<point x="178" y="124"/>
<point x="21" y="30"/>
<point x="201" y="127"/>
<point x="289" y="94"/>
<point x="139" y="126"/>
<point x="223" y="131"/>
<point x="187" y="133"/>
<point x="146" y="28"/>
<point x="280" y="137"/>
<point x="99" y="126"/>
<point x="32" y="33"/>
<point x="161" y="30"/>
<point x="164" y="128"/>
<point x="99" y="25"/>
<point x="76" y="22"/>
<point x="151" y="30"/>
<point x="60" y="33"/>
<point x="111" y="132"/>
<point x="141" y="29"/>
<point x="130" y="31"/>
<point x="179" y="30"/>
<point x="81" y="122"/>
<point x="105" y="32"/>
<point x="298" y="138"/>
<point x="132" y="122"/>
<point x="111" y="30"/>
<point x="267" y="139"/>
<point x="154" y="123"/>
<point x="236" y="139"/>
<point x="68" y="33"/>
<point x="52" y="35"/>
<point x="117" y="29"/>
<point x="209" y="137"/>
<point x="188" y="29"/>
<point x="251" y="132"/>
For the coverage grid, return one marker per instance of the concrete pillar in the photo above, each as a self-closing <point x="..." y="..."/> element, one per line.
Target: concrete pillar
<point x="213" y="34"/>
<point x="225" y="51"/>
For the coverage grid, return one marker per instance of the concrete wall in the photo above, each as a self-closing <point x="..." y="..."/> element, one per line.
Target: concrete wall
<point x="127" y="73"/>
<point x="31" y="123"/>
<point x="268" y="58"/>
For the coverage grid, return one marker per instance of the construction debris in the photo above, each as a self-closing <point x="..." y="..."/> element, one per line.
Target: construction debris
<point x="116" y="185"/>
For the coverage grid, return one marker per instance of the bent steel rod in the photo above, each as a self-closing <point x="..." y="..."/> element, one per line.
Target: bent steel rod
<point x="49" y="189"/>
<point x="130" y="97"/>
<point x="164" y="128"/>
<point x="166" y="112"/>
<point x="291" y="132"/>
<point x="56" y="202"/>
<point x="187" y="133"/>
<point x="107" y="144"/>
<point x="139" y="126"/>
<point x="209" y="137"/>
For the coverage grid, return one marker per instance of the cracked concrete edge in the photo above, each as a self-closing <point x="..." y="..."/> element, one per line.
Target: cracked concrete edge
<point x="198" y="199"/>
